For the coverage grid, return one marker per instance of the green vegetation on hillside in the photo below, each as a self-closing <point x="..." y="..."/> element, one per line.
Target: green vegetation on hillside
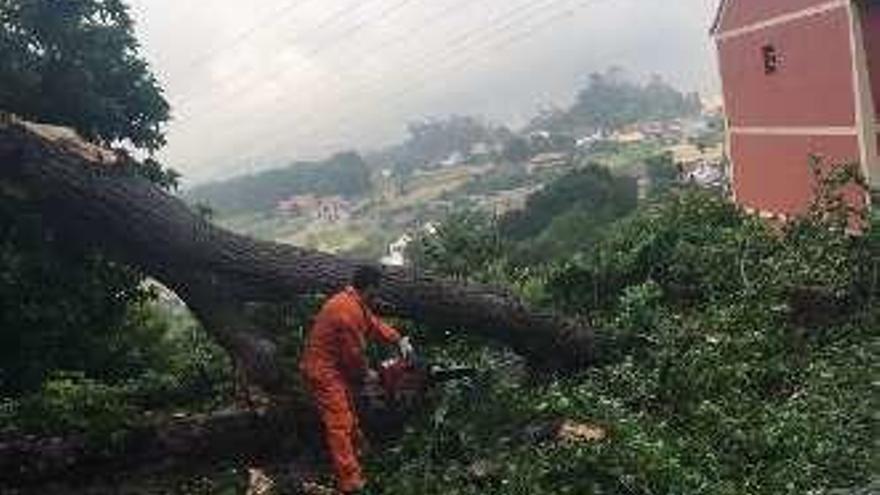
<point x="743" y="362"/>
<point x="343" y="174"/>
<point x="564" y="215"/>
<point x="432" y="141"/>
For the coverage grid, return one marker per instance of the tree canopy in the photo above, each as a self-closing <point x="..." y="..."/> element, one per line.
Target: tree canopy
<point x="75" y="63"/>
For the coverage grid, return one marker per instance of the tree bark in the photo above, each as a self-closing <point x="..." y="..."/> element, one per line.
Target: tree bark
<point x="248" y="437"/>
<point x="183" y="444"/>
<point x="96" y="200"/>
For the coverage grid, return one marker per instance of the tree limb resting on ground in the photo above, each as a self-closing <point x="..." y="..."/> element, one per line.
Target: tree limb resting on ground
<point x="178" y="444"/>
<point x="92" y="198"/>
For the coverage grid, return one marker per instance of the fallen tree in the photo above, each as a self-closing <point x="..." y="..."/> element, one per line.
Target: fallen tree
<point x="243" y="437"/>
<point x="93" y="198"/>
<point x="178" y="444"/>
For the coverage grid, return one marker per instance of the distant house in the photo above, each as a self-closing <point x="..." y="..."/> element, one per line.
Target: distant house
<point x="547" y="160"/>
<point x="800" y="78"/>
<point x="454" y="159"/>
<point x="705" y="175"/>
<point x="629" y="137"/>
<point x="397" y="251"/>
<point x="654" y="130"/>
<point x="332" y="209"/>
<point x="687" y="155"/>
<point x="481" y="150"/>
<point x="587" y="142"/>
<point x="329" y="209"/>
<point x="539" y="135"/>
<point x="299" y="205"/>
<point x="713" y="105"/>
<point x="504" y="202"/>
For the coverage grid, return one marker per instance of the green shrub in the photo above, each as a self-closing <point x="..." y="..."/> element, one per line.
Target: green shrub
<point x="746" y="364"/>
<point x="464" y="246"/>
<point x="72" y="403"/>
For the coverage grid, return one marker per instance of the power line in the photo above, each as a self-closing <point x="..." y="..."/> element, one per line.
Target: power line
<point x="511" y="20"/>
<point x="508" y="41"/>
<point x="239" y="89"/>
<point x="474" y="35"/>
<point x="513" y="38"/>
<point x="315" y="128"/>
<point x="273" y="17"/>
<point x="461" y="40"/>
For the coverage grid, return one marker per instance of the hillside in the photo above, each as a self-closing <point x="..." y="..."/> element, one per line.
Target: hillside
<point x="343" y="174"/>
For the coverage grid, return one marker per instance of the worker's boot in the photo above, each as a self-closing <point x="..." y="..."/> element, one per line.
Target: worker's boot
<point x="365" y="490"/>
<point x="311" y="488"/>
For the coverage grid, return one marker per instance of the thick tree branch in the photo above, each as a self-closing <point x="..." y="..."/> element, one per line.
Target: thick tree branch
<point x="241" y="436"/>
<point x="95" y="199"/>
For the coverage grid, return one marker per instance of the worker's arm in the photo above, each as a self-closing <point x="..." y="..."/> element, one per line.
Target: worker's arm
<point x="390" y="335"/>
<point x="382" y="331"/>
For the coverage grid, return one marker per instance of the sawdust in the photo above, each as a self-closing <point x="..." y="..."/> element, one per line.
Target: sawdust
<point x="571" y="431"/>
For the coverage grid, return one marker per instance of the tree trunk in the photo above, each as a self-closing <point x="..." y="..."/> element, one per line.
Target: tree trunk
<point x="95" y="199"/>
<point x="184" y="444"/>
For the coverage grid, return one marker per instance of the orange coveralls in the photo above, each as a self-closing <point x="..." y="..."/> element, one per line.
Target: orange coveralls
<point x="332" y="363"/>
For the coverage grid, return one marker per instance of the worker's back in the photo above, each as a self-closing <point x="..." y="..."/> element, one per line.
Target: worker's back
<point x="339" y="324"/>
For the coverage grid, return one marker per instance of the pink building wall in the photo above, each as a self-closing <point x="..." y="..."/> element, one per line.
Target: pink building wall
<point x="808" y="106"/>
<point x="813" y="85"/>
<point x="871" y="37"/>
<point x="740" y="13"/>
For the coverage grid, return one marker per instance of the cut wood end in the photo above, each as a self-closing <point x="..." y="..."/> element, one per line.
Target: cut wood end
<point x="62" y="136"/>
<point x="571" y="431"/>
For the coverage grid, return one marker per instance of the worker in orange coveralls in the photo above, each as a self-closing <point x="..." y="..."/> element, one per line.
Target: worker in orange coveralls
<point x="335" y="368"/>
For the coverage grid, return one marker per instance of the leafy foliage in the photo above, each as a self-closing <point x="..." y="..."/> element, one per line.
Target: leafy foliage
<point x="568" y="213"/>
<point x="76" y="63"/>
<point x="746" y="363"/>
<point x="461" y="247"/>
<point x="163" y="363"/>
<point x="73" y="63"/>
<point x="75" y="328"/>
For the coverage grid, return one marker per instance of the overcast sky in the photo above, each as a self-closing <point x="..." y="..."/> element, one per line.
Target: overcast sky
<point x="260" y="83"/>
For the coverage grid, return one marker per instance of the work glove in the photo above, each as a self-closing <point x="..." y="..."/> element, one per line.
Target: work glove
<point x="407" y="351"/>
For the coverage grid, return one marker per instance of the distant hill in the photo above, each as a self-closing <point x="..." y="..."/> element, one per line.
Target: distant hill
<point x="344" y="174"/>
<point x="430" y="142"/>
<point x="611" y="100"/>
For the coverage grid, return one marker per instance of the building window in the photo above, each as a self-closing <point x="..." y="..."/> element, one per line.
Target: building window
<point x="771" y="59"/>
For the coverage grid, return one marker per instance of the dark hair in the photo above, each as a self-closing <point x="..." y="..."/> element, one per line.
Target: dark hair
<point x="366" y="276"/>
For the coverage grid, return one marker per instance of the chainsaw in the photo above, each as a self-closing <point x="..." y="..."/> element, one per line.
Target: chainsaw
<point x="403" y="383"/>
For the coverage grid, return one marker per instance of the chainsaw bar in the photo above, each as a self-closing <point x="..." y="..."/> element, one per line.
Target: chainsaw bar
<point x="438" y="374"/>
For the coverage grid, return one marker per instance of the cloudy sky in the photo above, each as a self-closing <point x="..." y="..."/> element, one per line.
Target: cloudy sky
<point x="257" y="84"/>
